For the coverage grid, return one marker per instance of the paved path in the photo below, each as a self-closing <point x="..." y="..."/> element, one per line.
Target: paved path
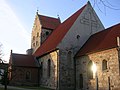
<point x="16" y="88"/>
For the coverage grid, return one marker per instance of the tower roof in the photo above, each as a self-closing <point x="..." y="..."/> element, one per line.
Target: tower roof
<point x="57" y="35"/>
<point x="49" y="22"/>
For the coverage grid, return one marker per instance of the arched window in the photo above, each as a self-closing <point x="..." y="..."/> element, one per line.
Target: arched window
<point x="49" y="67"/>
<point x="69" y="58"/>
<point x="33" y="44"/>
<point x="47" y="33"/>
<point x="78" y="37"/>
<point x="41" y="69"/>
<point x="36" y="43"/>
<point x="28" y="75"/>
<point x="81" y="81"/>
<point x="104" y="65"/>
<point x="89" y="70"/>
<point x="37" y="34"/>
<point x="33" y="37"/>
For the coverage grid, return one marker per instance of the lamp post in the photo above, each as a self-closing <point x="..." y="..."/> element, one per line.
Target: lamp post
<point x="94" y="69"/>
<point x="96" y="82"/>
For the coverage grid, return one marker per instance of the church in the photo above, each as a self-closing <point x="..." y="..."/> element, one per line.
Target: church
<point x="77" y="54"/>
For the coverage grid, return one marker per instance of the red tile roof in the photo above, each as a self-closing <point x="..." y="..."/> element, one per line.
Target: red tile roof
<point x="23" y="60"/>
<point x="103" y="40"/>
<point x="57" y="35"/>
<point x="49" y="22"/>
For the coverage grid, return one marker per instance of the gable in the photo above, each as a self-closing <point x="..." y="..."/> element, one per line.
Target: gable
<point x="57" y="35"/>
<point x="86" y="24"/>
<point x="36" y="23"/>
<point x="42" y="24"/>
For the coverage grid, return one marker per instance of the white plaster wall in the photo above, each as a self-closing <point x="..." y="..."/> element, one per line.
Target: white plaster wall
<point x="81" y="28"/>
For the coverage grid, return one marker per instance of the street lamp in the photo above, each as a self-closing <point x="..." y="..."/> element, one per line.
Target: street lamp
<point x="94" y="69"/>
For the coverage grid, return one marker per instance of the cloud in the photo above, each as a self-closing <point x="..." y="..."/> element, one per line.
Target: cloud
<point x="12" y="33"/>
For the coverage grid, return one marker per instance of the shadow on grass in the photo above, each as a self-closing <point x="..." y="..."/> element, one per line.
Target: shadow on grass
<point x="35" y="88"/>
<point x="23" y="88"/>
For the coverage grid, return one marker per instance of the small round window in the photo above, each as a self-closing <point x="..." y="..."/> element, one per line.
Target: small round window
<point x="47" y="33"/>
<point x="78" y="37"/>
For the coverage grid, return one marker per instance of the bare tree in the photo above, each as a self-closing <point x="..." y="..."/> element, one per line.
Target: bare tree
<point x="105" y="4"/>
<point x="1" y="53"/>
<point x="3" y="68"/>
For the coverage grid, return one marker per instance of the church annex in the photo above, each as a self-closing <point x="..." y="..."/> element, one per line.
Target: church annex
<point x="62" y="54"/>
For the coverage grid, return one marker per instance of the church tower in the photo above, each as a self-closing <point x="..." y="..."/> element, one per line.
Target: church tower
<point x="42" y="28"/>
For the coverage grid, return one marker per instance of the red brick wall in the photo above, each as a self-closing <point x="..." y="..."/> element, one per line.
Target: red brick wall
<point x="19" y="76"/>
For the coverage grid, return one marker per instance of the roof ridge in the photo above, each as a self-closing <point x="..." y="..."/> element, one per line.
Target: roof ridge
<point x="48" y="16"/>
<point x="105" y="29"/>
<point x="21" y="54"/>
<point x="49" y="22"/>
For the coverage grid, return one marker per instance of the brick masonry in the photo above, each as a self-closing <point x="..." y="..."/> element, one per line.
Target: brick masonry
<point x="19" y="76"/>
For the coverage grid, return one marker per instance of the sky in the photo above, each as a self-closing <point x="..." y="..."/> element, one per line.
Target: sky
<point x="17" y="18"/>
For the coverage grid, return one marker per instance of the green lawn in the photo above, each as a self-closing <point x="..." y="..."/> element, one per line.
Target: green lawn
<point x="7" y="89"/>
<point x="35" y="88"/>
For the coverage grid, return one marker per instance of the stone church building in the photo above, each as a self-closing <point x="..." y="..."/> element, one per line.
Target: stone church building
<point x="62" y="54"/>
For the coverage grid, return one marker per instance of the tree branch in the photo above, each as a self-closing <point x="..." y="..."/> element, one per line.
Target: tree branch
<point x="109" y="5"/>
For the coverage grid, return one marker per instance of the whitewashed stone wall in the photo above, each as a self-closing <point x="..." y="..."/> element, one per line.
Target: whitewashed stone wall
<point x="112" y="71"/>
<point x="85" y="25"/>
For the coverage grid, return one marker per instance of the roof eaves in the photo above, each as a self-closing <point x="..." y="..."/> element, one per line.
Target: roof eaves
<point x="47" y="53"/>
<point x="100" y="50"/>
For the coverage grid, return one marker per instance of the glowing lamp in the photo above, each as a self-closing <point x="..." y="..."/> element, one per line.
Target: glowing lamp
<point x="94" y="68"/>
